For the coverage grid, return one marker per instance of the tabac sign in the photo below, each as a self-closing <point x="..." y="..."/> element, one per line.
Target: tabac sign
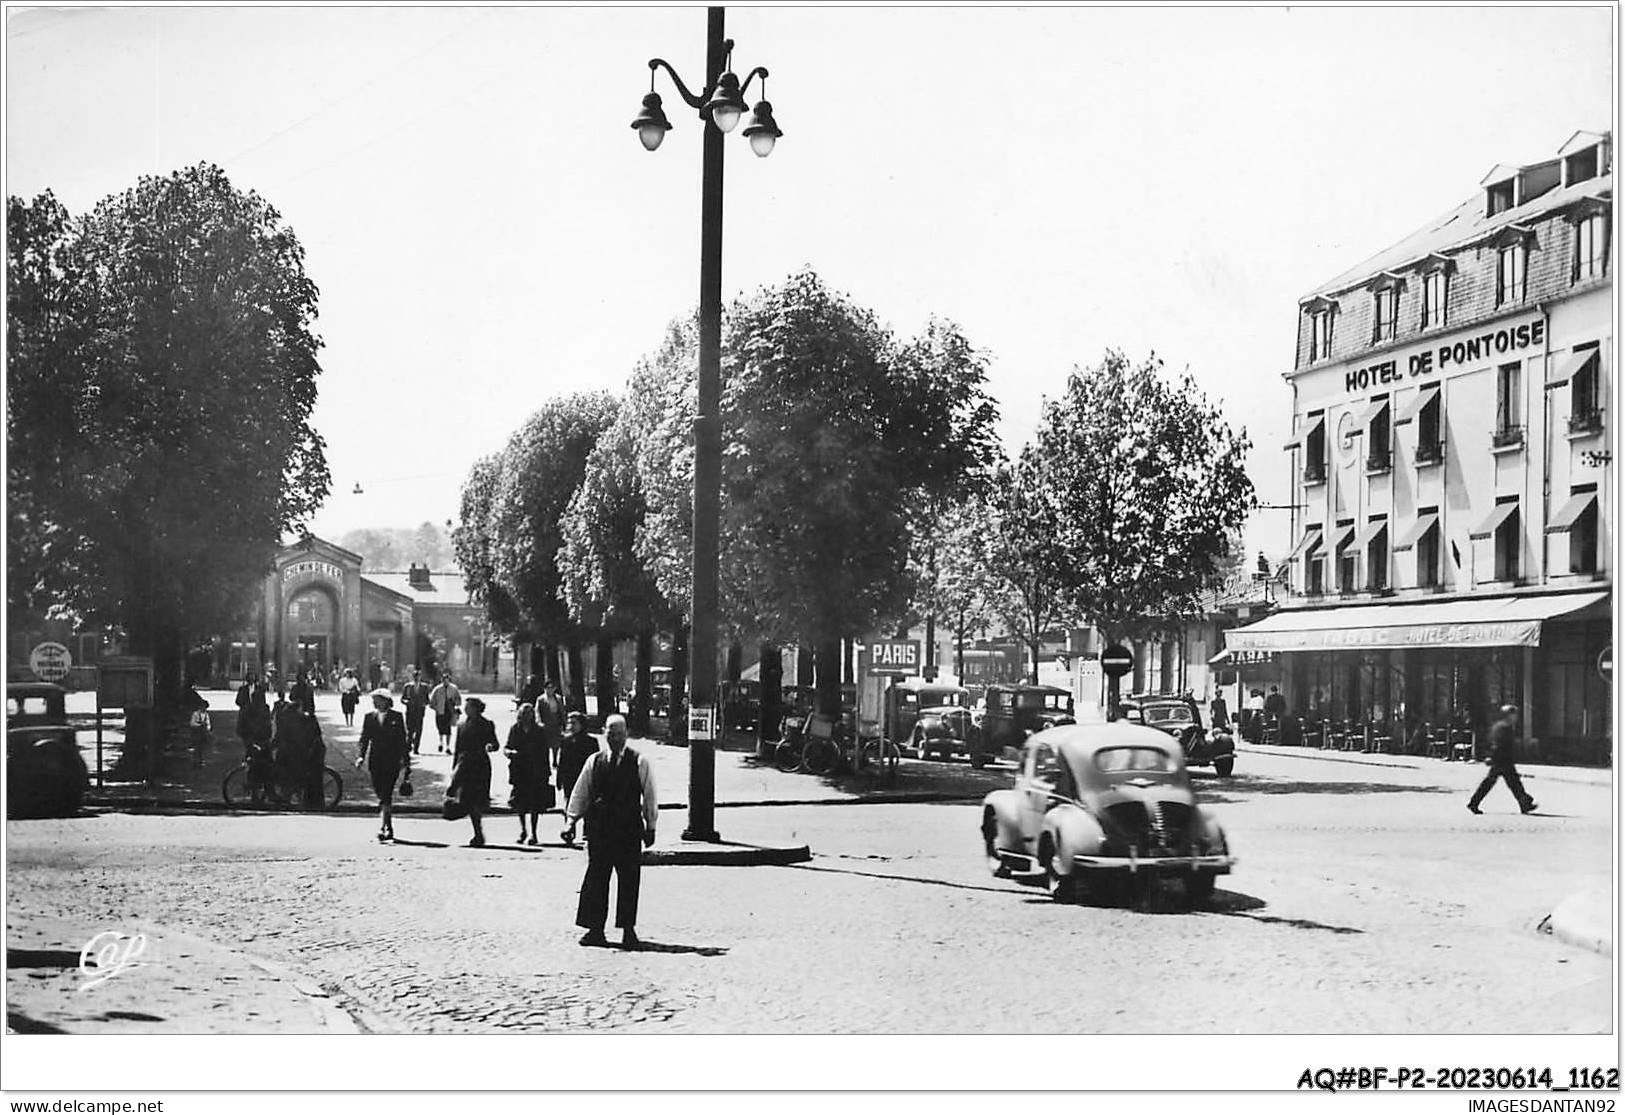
<point x="1449" y="354"/>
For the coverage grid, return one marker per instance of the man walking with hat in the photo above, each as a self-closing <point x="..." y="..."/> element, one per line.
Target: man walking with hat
<point x="1503" y="756"/>
<point x="616" y="794"/>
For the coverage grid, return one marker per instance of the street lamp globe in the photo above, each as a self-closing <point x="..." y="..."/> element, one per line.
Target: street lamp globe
<point x="651" y="124"/>
<point x="726" y="106"/>
<point x="762" y="131"/>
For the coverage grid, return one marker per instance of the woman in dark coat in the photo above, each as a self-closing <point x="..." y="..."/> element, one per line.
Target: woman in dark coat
<point x="530" y="772"/>
<point x="470" y="784"/>
<point x="578" y="746"/>
<point x="384" y="751"/>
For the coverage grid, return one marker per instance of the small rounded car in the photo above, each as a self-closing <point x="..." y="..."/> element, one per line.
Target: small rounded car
<point x="1181" y="717"/>
<point x="1099" y="810"/>
<point x="45" y="774"/>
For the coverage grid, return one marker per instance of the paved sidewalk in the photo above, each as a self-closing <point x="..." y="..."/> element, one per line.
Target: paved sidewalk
<point x="147" y="979"/>
<point x="1584" y="776"/>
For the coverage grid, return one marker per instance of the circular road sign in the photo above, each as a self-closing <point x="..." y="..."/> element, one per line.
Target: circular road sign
<point x="50" y="661"/>
<point x="1116" y="660"/>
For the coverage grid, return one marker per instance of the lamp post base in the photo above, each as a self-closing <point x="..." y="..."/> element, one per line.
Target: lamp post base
<point x="712" y="837"/>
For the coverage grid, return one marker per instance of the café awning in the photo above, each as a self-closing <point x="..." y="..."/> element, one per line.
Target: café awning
<point x="1562" y="372"/>
<point x="1570" y="512"/>
<point x="1500" y="622"/>
<point x="1418" y="531"/>
<point x="1419" y="400"/>
<point x="1369" y="534"/>
<point x="1502" y="512"/>
<point x="1306" y="544"/>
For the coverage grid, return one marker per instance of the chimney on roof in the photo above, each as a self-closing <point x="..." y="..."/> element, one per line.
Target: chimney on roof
<point x="418" y="576"/>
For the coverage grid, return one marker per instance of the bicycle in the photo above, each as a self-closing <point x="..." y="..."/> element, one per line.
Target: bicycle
<point x="257" y="782"/>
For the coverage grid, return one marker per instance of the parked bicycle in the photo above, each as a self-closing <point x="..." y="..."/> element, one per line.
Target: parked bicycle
<point x="259" y="782"/>
<point x="823" y="745"/>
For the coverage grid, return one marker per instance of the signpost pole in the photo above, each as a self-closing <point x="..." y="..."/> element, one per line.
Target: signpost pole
<point x="98" y="735"/>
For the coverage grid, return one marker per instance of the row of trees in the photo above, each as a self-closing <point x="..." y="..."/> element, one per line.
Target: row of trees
<point x="161" y="369"/>
<point x="863" y="489"/>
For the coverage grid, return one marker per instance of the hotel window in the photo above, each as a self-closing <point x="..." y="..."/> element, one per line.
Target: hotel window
<point x="1509" y="275"/>
<point x="1427" y="556"/>
<point x="1435" y="286"/>
<point x="1376" y="555"/>
<point x="1379" y="435"/>
<point x="1429" y="442"/>
<point x="1348" y="558"/>
<point x="1320" y="334"/>
<point x="1503" y="526"/>
<point x="1591" y="247"/>
<point x="1314" y="450"/>
<point x="1314" y="574"/>
<point x="1585" y="405"/>
<point x="1386" y="315"/>
<point x="1578" y="518"/>
<point x="1508" y="405"/>
<point x="1501" y="197"/>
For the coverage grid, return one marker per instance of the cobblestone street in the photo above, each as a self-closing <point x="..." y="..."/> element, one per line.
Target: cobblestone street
<point x="1367" y="900"/>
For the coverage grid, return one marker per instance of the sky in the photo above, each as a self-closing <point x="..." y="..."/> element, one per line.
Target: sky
<point x="486" y="231"/>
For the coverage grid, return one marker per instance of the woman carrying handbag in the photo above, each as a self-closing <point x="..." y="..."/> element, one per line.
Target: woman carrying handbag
<point x="384" y="751"/>
<point x="529" y="773"/>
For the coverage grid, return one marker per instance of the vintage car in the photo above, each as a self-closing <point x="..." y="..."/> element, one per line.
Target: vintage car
<point x="1013" y="712"/>
<point x="45" y="774"/>
<point x="1181" y="718"/>
<point x="928" y="717"/>
<point x="1101" y="809"/>
<point x="741" y="704"/>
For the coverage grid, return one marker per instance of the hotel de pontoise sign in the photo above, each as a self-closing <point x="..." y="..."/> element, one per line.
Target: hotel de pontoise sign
<point x="1506" y="633"/>
<point x="1449" y="354"/>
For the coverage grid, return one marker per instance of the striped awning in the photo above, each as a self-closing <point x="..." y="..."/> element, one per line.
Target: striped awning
<point x="1501" y="622"/>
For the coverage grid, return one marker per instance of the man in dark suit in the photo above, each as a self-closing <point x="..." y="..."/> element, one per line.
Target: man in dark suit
<point x="616" y="794"/>
<point x="1503" y="756"/>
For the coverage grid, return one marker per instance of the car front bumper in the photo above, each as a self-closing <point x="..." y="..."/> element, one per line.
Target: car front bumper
<point x="1155" y="865"/>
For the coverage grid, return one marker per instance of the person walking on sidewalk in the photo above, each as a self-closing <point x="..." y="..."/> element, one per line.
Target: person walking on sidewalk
<point x="349" y="687"/>
<point x="616" y="796"/>
<point x="415" y="699"/>
<point x="530" y="773"/>
<point x="577" y="747"/>
<point x="384" y="751"/>
<point x="1503" y="759"/>
<point x="470" y="786"/>
<point x="446" y="700"/>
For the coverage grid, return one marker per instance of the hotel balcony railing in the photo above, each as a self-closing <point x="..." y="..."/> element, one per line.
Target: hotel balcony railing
<point x="1587" y="421"/>
<point x="1506" y="437"/>
<point x="1380" y="460"/>
<point x="1314" y="472"/>
<point x="1429" y="452"/>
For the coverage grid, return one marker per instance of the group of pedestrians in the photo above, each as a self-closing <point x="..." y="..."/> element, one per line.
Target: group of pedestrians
<point x="610" y="788"/>
<point x="283" y="740"/>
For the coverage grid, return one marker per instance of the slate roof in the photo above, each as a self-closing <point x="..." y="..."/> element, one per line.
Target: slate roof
<point x="1462" y="226"/>
<point x="445" y="586"/>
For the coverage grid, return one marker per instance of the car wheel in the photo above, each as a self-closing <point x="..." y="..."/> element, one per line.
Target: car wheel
<point x="1062" y="888"/>
<point x="1199" y="887"/>
<point x="990" y="830"/>
<point x="1224" y="765"/>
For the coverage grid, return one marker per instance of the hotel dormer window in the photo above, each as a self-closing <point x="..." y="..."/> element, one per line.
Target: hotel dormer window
<point x="1435" y="291"/>
<point x="1590" y="243"/>
<point x="1386" y="315"/>
<point x="1509" y="275"/>
<point x="1500" y="197"/>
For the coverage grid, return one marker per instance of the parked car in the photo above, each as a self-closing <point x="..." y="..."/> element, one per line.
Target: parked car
<point x="1100" y="809"/>
<point x="929" y="717"/>
<point x="1181" y="717"/>
<point x="741" y="704"/>
<point x="1015" y="711"/>
<point x="45" y="774"/>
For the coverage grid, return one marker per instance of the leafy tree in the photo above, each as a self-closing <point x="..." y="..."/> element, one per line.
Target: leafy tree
<point x="542" y="467"/>
<point x="472" y="544"/>
<point x="601" y="574"/>
<point x="835" y="437"/>
<point x="958" y="582"/>
<point x="1147" y="487"/>
<point x="159" y="406"/>
<point x="1026" y="562"/>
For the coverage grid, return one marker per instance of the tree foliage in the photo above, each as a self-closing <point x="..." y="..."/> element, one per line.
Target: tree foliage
<point x="541" y="468"/>
<point x="1026" y="562"/>
<point x="835" y="436"/>
<point x="1145" y="488"/>
<point x="474" y="546"/>
<point x="160" y="381"/>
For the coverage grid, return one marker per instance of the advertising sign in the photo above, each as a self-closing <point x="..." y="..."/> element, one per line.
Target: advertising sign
<point x="702" y="723"/>
<point x="50" y="661"/>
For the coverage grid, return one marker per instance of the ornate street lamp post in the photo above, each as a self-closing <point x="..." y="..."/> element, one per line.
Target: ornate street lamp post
<point x="720" y="104"/>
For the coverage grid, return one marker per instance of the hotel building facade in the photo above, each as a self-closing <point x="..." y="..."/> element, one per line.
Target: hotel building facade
<point x="1453" y="414"/>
